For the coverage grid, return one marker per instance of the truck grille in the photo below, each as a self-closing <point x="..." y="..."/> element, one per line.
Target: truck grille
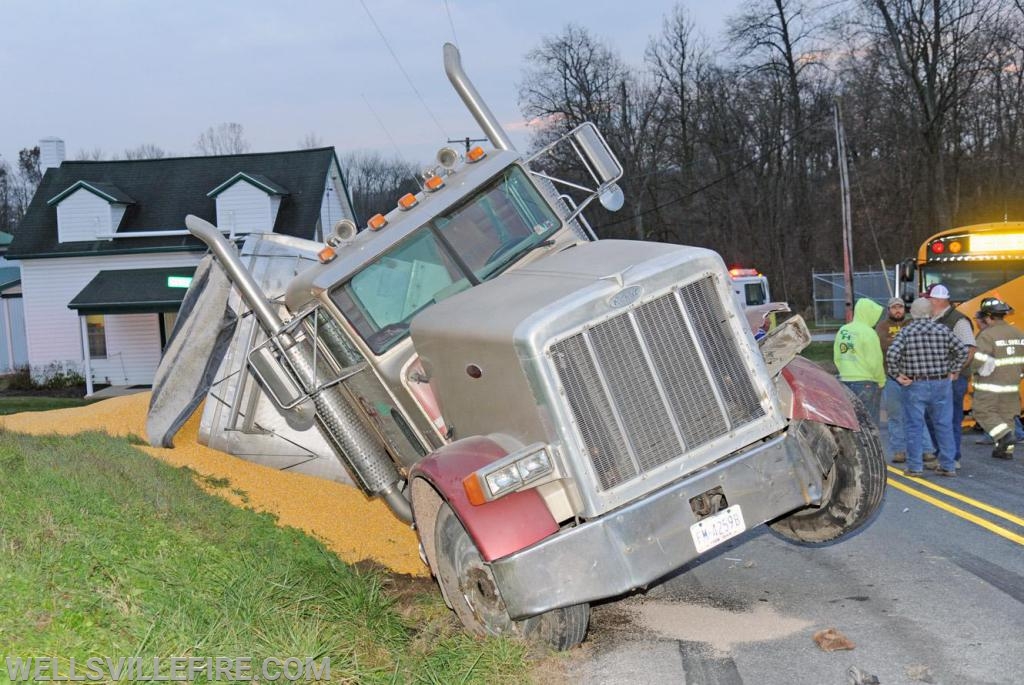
<point x="653" y="384"/>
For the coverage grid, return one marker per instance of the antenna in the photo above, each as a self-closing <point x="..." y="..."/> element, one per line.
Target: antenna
<point x="467" y="140"/>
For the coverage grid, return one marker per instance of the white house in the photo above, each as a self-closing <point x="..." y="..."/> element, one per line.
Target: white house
<point x="103" y="246"/>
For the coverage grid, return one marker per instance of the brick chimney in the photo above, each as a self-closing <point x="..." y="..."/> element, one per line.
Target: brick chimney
<point x="51" y="153"/>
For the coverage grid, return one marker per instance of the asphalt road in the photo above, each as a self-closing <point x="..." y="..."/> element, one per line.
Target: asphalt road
<point x="932" y="591"/>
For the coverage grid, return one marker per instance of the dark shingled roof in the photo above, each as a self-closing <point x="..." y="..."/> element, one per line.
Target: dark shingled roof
<point x="165" y="190"/>
<point x="132" y="291"/>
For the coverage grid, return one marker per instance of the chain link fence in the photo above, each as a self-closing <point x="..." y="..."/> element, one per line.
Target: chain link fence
<point x="829" y="293"/>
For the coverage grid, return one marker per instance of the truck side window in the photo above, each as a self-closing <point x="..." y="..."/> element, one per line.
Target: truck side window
<point x="382" y="298"/>
<point x="498" y="223"/>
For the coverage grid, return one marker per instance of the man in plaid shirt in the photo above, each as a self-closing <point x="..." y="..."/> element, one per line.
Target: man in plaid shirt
<point x="925" y="357"/>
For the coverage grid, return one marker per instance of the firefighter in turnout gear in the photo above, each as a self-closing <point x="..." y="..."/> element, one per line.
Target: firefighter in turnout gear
<point x="999" y="363"/>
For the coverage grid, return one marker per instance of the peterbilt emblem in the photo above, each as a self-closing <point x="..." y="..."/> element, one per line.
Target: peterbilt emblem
<point x="626" y="296"/>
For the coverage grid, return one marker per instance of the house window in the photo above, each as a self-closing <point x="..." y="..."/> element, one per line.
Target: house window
<point x="97" y="335"/>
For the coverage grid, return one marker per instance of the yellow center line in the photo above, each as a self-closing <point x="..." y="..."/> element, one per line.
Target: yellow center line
<point x="967" y="516"/>
<point x="963" y="498"/>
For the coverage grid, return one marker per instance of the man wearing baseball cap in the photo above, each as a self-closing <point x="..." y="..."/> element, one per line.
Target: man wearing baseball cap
<point x="893" y="394"/>
<point x="924" y="357"/>
<point x="945" y="314"/>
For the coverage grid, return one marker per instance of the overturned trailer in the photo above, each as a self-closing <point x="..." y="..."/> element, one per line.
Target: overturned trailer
<point x="562" y="419"/>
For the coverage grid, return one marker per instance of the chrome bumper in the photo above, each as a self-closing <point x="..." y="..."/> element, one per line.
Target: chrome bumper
<point x="641" y="542"/>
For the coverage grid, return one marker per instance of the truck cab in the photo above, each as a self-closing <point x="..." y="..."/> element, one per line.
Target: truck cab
<point x="562" y="419"/>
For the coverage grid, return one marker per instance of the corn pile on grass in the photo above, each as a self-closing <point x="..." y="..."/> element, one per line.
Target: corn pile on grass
<point x="354" y="527"/>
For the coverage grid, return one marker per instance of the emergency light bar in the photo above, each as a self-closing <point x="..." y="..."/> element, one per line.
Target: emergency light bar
<point x="997" y="242"/>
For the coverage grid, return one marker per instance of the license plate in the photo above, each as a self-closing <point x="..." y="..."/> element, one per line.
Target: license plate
<point x="717" y="528"/>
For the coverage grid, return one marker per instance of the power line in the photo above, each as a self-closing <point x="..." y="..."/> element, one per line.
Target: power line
<point x="455" y="39"/>
<point x="720" y="179"/>
<point x="412" y="84"/>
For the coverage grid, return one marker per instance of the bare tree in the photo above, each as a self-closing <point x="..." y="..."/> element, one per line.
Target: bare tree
<point x="570" y="79"/>
<point x="937" y="49"/>
<point x="145" y="151"/>
<point x="311" y="141"/>
<point x="376" y="182"/>
<point x="94" y="155"/>
<point x="223" y="139"/>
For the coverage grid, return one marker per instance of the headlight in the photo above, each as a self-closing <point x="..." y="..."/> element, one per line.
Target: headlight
<point x="508" y="474"/>
<point x="534" y="466"/>
<point x="503" y="480"/>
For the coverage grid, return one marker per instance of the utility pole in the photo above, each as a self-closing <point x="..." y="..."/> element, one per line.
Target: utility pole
<point x="467" y="140"/>
<point x="844" y="189"/>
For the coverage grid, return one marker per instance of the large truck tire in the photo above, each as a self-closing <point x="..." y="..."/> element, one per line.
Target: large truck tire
<point x="476" y="600"/>
<point x="853" y="488"/>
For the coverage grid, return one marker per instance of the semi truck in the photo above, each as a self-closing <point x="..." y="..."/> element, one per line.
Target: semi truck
<point x="561" y="419"/>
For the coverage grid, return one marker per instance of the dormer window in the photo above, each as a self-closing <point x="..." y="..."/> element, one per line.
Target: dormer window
<point x="248" y="203"/>
<point x="89" y="210"/>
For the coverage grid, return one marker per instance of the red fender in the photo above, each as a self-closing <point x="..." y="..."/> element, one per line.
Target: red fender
<point x="500" y="527"/>
<point x="818" y="396"/>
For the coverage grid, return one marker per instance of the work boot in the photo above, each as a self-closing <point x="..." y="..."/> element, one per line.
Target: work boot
<point x="928" y="456"/>
<point x="899" y="457"/>
<point x="1004" y="447"/>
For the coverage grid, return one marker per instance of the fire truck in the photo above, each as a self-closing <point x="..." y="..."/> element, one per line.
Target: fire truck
<point x="562" y="419"/>
<point x="749" y="286"/>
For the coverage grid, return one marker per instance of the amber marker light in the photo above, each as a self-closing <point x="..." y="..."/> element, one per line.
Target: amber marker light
<point x="326" y="254"/>
<point x="407" y="201"/>
<point x="377" y="222"/>
<point x="476" y="154"/>
<point x="955" y="247"/>
<point x="474" y="491"/>
<point x="434" y="183"/>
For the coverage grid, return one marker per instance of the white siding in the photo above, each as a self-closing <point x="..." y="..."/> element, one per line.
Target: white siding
<point x="54" y="331"/>
<point x="133" y="350"/>
<point x="334" y="205"/>
<point x="244" y="208"/>
<point x="116" y="214"/>
<point x="83" y="215"/>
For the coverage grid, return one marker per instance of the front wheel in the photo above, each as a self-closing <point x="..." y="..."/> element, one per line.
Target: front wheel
<point x="476" y="600"/>
<point x="853" y="488"/>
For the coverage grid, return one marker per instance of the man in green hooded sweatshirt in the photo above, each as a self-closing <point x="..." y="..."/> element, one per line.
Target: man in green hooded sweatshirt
<point x="858" y="355"/>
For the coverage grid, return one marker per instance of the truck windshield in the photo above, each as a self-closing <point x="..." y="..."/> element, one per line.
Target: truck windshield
<point x="454" y="251"/>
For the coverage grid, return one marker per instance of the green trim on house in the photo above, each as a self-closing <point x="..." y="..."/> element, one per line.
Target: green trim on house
<point x="106" y="191"/>
<point x="258" y="180"/>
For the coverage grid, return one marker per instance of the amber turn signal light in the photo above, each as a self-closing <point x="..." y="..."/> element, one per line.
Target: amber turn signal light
<point x="474" y="491"/>
<point x="326" y="254"/>
<point x="476" y="154"/>
<point x="377" y="222"/>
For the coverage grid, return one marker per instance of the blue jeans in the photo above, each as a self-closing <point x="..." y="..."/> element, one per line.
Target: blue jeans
<point x="894" y="396"/>
<point x="959" y="390"/>
<point x="931" y="399"/>
<point x="867" y="392"/>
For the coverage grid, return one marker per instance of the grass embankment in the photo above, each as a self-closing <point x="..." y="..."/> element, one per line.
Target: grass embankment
<point x="16" y="405"/>
<point x="107" y="552"/>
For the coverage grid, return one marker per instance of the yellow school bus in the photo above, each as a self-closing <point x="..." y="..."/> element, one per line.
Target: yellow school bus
<point x="975" y="262"/>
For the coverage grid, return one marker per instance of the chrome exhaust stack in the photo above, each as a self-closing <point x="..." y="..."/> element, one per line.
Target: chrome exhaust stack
<point x="477" y="107"/>
<point x="354" y="443"/>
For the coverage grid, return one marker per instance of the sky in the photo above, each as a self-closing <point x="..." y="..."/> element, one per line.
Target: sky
<point x="111" y="75"/>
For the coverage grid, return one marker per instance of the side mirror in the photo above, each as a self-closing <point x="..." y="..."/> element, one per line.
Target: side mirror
<point x="596" y="153"/>
<point x="908" y="268"/>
